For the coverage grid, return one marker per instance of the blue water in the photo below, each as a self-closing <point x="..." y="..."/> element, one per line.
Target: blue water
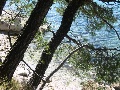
<point x="103" y="37"/>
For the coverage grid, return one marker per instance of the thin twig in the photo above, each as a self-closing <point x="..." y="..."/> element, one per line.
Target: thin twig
<point x="7" y="13"/>
<point x="89" y="47"/>
<point x="9" y="39"/>
<point x="74" y="41"/>
<point x="10" y="25"/>
<point x="106" y="22"/>
<point x="51" y="74"/>
<point x="111" y="27"/>
<point x="32" y="69"/>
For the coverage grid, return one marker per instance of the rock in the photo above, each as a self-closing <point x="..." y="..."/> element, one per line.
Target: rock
<point x="4" y="25"/>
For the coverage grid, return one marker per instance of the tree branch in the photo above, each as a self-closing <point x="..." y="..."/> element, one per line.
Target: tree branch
<point x="111" y="27"/>
<point x="106" y="21"/>
<point x="74" y="41"/>
<point x="67" y="1"/>
<point x="31" y="69"/>
<point x="10" y="28"/>
<point x="62" y="63"/>
<point x="89" y="46"/>
<point x="51" y="74"/>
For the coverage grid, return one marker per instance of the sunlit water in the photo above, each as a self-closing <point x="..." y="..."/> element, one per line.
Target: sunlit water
<point x="103" y="37"/>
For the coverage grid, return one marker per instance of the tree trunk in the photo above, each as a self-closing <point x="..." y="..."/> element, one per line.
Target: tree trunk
<point x="48" y="52"/>
<point x="17" y="52"/>
<point x="2" y="4"/>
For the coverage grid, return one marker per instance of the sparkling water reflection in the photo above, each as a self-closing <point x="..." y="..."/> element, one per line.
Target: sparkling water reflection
<point x="103" y="37"/>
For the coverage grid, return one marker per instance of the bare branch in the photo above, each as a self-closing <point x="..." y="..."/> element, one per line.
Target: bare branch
<point x="31" y="69"/>
<point x="74" y="41"/>
<point x="106" y="20"/>
<point x="62" y="63"/>
<point x="13" y="18"/>
<point x="111" y="27"/>
<point x="51" y="74"/>
<point x="89" y="47"/>
<point x="10" y="28"/>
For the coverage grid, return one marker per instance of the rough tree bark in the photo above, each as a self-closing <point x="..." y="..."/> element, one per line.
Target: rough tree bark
<point x="48" y="52"/>
<point x="17" y="52"/>
<point x="2" y="4"/>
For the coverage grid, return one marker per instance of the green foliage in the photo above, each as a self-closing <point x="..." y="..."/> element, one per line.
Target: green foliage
<point x="60" y="10"/>
<point x="62" y="51"/>
<point x="62" y="6"/>
<point x="93" y="14"/>
<point x="23" y="6"/>
<point x="0" y="63"/>
<point x="39" y="41"/>
<point x="105" y="63"/>
<point x="91" y="85"/>
<point x="107" y="66"/>
<point x="81" y="59"/>
<point x="13" y="85"/>
<point x="62" y="2"/>
<point x="39" y="38"/>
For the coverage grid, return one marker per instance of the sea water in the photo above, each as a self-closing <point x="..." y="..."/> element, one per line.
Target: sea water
<point x="103" y="37"/>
